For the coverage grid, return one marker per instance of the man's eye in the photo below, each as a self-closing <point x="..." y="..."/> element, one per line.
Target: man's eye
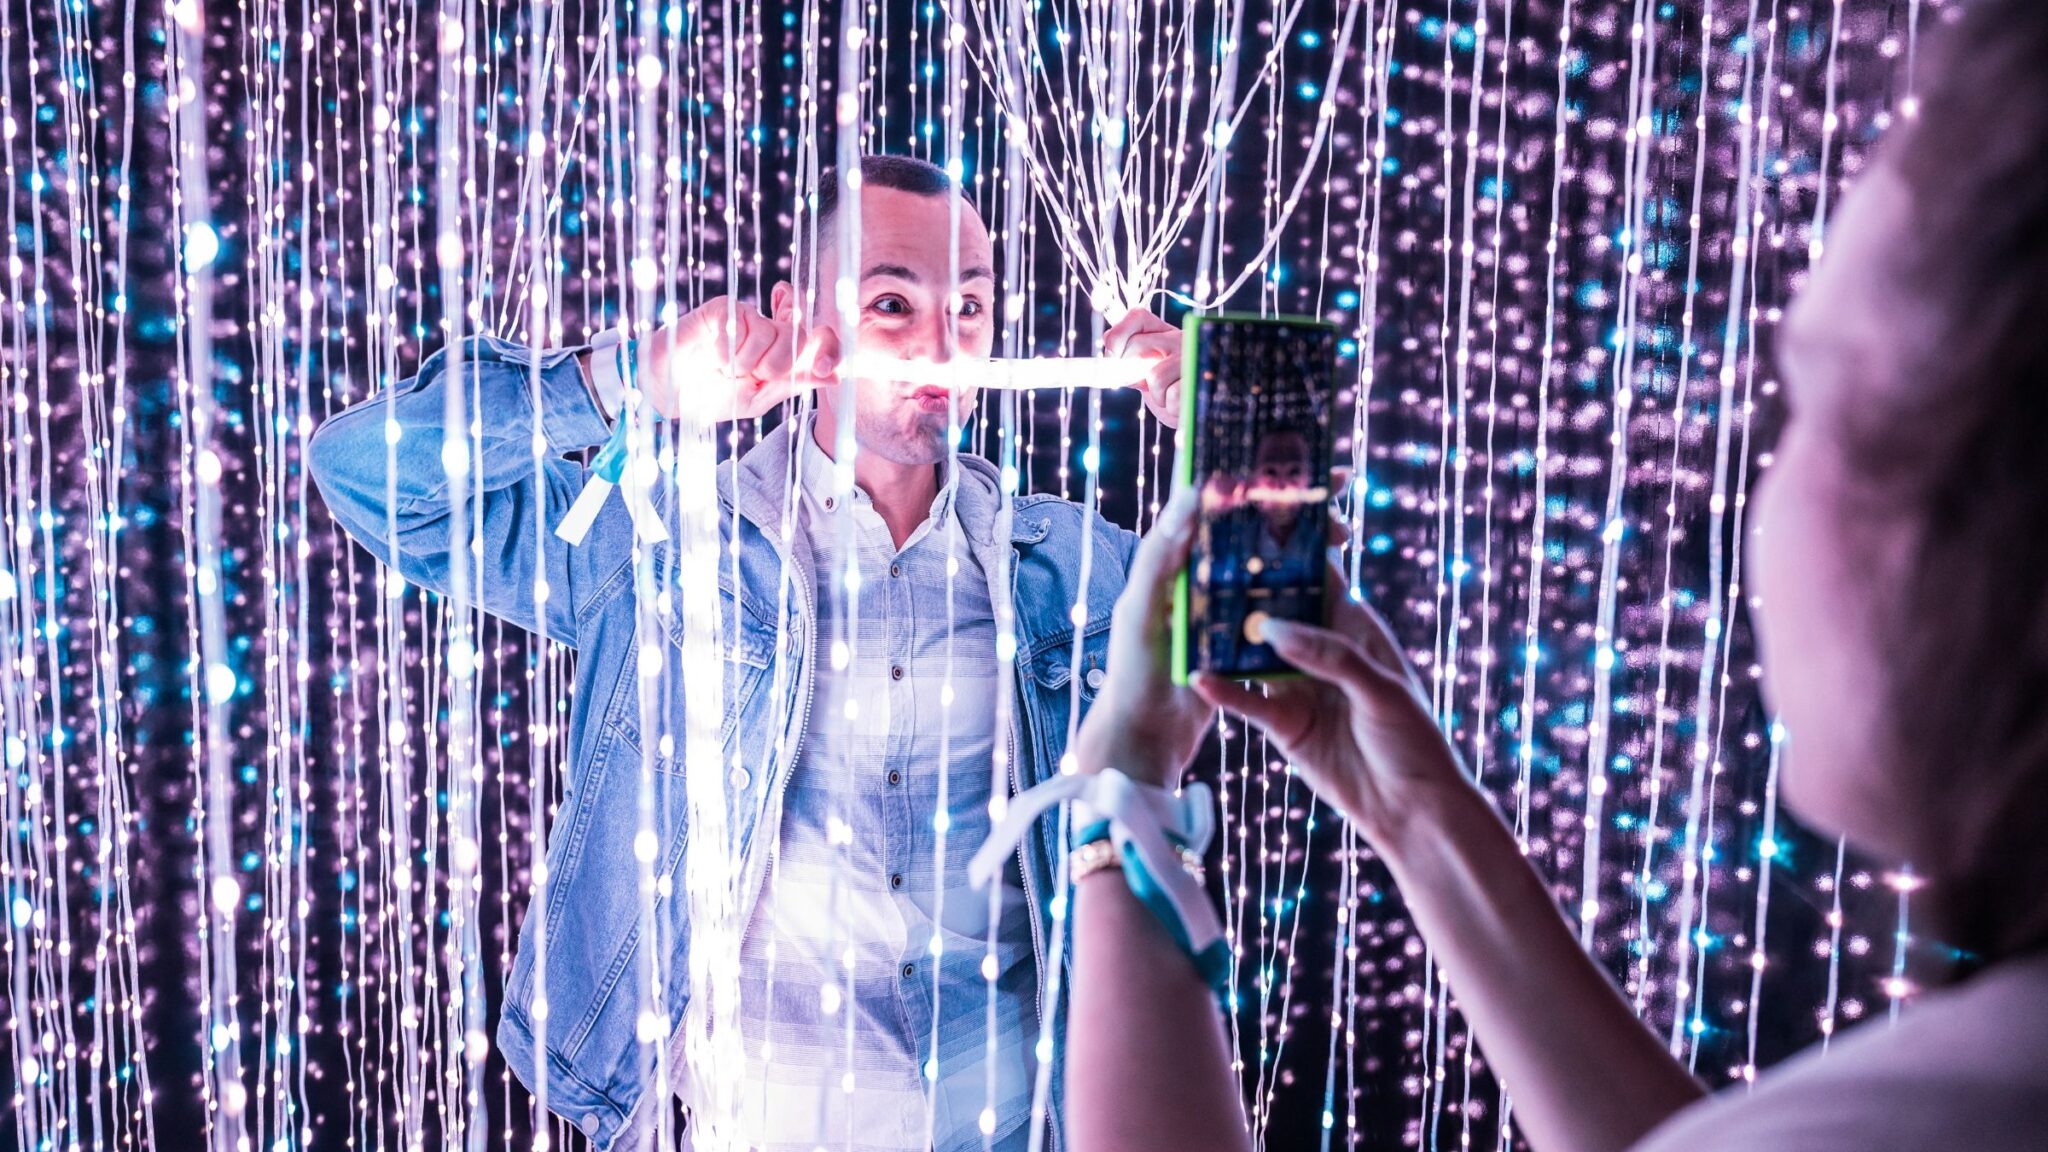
<point x="970" y="307"/>
<point x="890" y="306"/>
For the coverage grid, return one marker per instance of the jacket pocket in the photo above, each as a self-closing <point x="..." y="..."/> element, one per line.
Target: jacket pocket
<point x="747" y="638"/>
<point x="741" y="676"/>
<point x="1052" y="667"/>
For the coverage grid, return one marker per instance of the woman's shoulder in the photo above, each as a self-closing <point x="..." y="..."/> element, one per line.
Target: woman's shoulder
<point x="1965" y="1068"/>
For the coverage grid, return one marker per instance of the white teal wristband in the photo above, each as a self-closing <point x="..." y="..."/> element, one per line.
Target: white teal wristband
<point x="1150" y="827"/>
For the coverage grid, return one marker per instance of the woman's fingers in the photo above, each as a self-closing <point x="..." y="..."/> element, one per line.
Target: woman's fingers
<point x="1328" y="656"/>
<point x="1164" y="549"/>
<point x="1377" y="641"/>
<point x="1286" y="711"/>
<point x="1363" y="627"/>
<point x="1140" y="611"/>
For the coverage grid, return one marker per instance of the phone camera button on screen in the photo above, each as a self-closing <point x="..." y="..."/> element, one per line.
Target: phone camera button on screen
<point x="1255" y="627"/>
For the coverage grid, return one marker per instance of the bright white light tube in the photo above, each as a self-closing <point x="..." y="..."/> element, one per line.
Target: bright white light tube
<point x="1005" y="375"/>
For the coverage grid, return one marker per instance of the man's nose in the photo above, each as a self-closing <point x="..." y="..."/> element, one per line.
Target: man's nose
<point x="938" y="339"/>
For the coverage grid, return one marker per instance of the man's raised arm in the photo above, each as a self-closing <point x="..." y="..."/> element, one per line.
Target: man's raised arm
<point x="380" y="467"/>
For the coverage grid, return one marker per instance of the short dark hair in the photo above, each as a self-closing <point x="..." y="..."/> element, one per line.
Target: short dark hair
<point x="901" y="173"/>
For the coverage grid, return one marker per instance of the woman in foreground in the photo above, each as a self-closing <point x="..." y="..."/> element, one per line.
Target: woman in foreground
<point x="1902" y="616"/>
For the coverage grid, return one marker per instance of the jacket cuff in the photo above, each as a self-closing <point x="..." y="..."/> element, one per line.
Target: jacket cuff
<point x="571" y="416"/>
<point x="609" y="353"/>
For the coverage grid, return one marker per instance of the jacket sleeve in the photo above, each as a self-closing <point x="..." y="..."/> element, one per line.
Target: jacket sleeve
<point x="379" y="466"/>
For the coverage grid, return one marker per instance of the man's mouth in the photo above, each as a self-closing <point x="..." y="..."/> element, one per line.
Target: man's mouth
<point x="930" y="399"/>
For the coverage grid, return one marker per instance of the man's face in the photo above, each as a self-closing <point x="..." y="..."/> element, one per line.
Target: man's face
<point x="1280" y="465"/>
<point x="1281" y="461"/>
<point x="915" y="300"/>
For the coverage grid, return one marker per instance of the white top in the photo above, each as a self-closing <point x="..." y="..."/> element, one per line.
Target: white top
<point x="1964" y="1068"/>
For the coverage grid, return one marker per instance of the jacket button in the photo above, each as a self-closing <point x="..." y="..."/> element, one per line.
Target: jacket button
<point x="1094" y="678"/>
<point x="740" y="778"/>
<point x="895" y="777"/>
<point x="896" y="880"/>
<point x="588" y="1124"/>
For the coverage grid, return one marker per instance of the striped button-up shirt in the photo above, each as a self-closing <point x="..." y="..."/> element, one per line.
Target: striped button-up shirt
<point x="887" y="800"/>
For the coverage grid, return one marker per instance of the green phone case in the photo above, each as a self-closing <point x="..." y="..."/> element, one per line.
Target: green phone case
<point x="1182" y="651"/>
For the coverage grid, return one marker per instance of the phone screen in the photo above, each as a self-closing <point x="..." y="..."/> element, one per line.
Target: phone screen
<point x="1257" y="397"/>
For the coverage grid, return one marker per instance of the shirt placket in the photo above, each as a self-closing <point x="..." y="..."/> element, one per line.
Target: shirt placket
<point x="885" y="609"/>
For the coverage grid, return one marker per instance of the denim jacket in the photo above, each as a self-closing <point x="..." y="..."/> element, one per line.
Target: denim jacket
<point x="597" y="1066"/>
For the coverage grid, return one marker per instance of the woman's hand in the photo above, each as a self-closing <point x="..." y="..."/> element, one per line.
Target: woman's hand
<point x="1358" y="726"/>
<point x="1142" y="724"/>
<point x="726" y="360"/>
<point x="1139" y="333"/>
<point x="1360" y="729"/>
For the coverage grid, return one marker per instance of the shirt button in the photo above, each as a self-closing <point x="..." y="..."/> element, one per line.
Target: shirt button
<point x="895" y="777"/>
<point x="1095" y="678"/>
<point x="831" y="502"/>
<point x="740" y="778"/>
<point x="895" y="569"/>
<point x="896" y="880"/>
<point x="909" y="970"/>
<point x="896" y="672"/>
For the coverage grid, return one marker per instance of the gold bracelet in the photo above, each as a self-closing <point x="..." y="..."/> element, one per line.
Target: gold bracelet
<point x="1101" y="855"/>
<point x="1092" y="857"/>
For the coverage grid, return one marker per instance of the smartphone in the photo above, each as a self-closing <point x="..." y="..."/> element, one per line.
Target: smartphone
<point x="1257" y="393"/>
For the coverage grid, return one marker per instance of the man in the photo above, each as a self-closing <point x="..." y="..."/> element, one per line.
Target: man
<point x="833" y="761"/>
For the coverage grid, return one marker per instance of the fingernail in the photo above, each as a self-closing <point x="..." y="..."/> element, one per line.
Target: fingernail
<point x="1279" y="632"/>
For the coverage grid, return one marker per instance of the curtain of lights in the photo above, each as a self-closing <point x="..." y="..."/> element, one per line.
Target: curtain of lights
<point x="271" y="814"/>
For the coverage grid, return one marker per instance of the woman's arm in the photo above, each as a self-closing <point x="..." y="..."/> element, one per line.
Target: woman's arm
<point x="1584" y="1073"/>
<point x="1148" y="1064"/>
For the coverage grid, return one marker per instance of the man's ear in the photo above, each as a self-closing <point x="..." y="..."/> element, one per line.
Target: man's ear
<point x="782" y="301"/>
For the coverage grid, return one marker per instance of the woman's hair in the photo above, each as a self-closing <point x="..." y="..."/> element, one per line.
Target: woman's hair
<point x="1965" y="452"/>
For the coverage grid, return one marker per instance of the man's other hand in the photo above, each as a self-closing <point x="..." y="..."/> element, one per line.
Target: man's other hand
<point x="1141" y="334"/>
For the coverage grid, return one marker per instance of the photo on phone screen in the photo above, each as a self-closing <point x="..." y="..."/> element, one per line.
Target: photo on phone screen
<point x="1258" y="393"/>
